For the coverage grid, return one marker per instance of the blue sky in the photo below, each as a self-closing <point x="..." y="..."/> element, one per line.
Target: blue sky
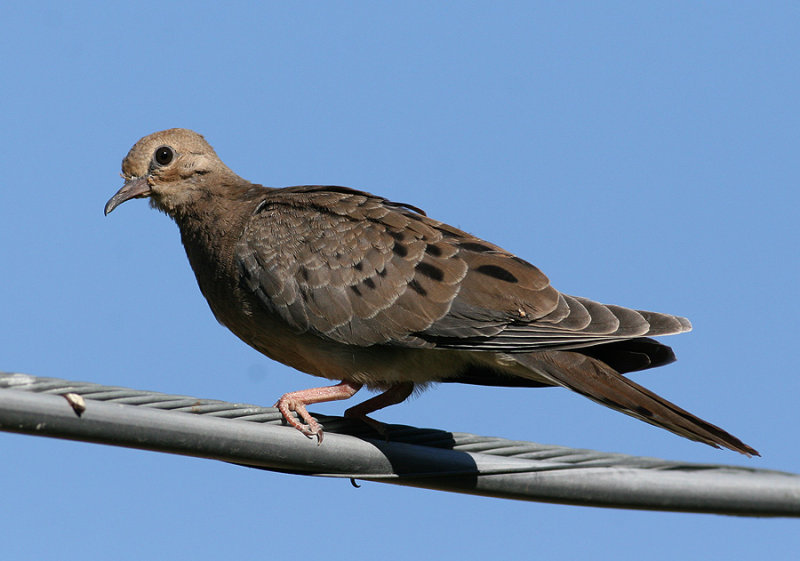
<point x="640" y="154"/>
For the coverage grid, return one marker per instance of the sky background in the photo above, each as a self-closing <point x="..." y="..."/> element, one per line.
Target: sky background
<point x="642" y="154"/>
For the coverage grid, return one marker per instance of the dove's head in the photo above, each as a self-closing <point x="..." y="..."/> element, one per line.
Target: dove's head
<point x="174" y="168"/>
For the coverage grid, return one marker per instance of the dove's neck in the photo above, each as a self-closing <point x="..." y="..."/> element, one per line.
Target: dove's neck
<point x="210" y="228"/>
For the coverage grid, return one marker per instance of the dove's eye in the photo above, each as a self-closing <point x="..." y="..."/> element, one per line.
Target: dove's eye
<point x="163" y="155"/>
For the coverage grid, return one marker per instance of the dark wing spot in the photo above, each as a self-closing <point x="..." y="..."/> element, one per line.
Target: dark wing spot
<point x="369" y="282"/>
<point x="382" y="273"/>
<point x="416" y="287"/>
<point x="476" y="247"/>
<point x="399" y="236"/>
<point x="497" y="272"/>
<point x="358" y="266"/>
<point x="304" y="273"/>
<point x="355" y="289"/>
<point x="430" y="271"/>
<point x="400" y="250"/>
<point x="644" y="411"/>
<point x="433" y="250"/>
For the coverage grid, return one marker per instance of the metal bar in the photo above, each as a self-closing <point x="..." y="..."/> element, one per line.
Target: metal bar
<point x="418" y="457"/>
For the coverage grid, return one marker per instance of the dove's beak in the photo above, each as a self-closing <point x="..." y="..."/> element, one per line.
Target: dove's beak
<point x="134" y="188"/>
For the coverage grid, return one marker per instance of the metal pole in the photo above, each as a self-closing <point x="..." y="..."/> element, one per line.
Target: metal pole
<point x="418" y="457"/>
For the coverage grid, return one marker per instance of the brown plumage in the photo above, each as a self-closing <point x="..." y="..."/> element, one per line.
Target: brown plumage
<point x="349" y="286"/>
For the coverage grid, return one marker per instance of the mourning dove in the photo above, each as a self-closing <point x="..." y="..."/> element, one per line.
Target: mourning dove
<point x="349" y="286"/>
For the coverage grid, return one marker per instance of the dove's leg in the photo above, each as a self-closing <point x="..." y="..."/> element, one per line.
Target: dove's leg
<point x="395" y="394"/>
<point x="297" y="401"/>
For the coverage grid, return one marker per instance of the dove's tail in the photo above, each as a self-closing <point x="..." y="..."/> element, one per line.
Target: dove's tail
<point x="597" y="381"/>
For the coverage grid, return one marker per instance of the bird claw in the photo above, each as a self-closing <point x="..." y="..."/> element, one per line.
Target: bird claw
<point x="312" y="432"/>
<point x="312" y="428"/>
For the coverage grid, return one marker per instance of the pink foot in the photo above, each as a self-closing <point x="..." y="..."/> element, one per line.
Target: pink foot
<point x="297" y="401"/>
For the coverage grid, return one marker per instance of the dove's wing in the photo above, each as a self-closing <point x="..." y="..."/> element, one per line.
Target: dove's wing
<point x="360" y="270"/>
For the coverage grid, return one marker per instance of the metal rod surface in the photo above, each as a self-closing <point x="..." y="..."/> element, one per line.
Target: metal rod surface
<point x="252" y="436"/>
